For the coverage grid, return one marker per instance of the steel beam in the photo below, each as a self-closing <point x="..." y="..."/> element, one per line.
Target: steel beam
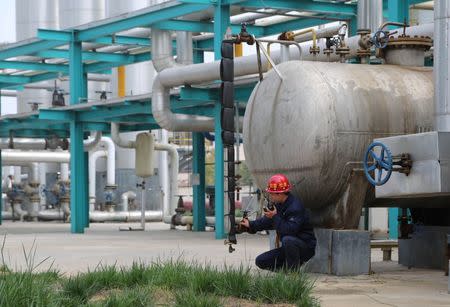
<point x="305" y="6"/>
<point x="221" y="22"/>
<point x="34" y="66"/>
<point x="141" y="18"/>
<point x="27" y="47"/>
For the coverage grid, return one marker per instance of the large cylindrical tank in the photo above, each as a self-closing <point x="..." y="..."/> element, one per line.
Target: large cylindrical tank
<point x="30" y="16"/>
<point x="315" y="125"/>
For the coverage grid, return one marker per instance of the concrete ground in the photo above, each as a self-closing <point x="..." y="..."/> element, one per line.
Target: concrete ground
<point x="389" y="285"/>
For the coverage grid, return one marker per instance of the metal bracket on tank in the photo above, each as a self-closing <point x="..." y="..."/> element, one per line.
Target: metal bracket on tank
<point x="269" y="59"/>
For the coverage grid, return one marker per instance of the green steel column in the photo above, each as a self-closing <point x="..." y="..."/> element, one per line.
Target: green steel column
<point x="393" y="222"/>
<point x="353" y="26"/>
<point x="198" y="144"/>
<point x="198" y="208"/>
<point x="78" y="175"/>
<point x="221" y="22"/>
<point x="398" y="10"/>
<point x="1" y="174"/>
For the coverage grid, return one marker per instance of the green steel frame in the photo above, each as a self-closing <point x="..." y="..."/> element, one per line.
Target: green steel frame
<point x="134" y="113"/>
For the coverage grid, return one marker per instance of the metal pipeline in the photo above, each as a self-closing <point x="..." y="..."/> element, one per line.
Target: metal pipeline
<point x="170" y="205"/>
<point x="126" y="197"/>
<point x="129" y="216"/>
<point x="41" y="144"/>
<point x="35" y="156"/>
<point x="115" y="136"/>
<point x="353" y="43"/>
<point x="92" y="174"/>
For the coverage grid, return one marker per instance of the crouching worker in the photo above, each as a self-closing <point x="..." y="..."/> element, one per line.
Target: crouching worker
<point x="291" y="221"/>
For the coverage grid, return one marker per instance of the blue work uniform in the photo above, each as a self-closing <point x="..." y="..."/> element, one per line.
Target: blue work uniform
<point x="295" y="232"/>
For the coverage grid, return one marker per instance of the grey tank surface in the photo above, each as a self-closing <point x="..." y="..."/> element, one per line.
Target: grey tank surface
<point x="315" y="125"/>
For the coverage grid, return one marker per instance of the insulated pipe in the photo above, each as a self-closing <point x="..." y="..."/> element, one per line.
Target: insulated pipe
<point x="35" y="156"/>
<point x="124" y="216"/>
<point x="319" y="33"/>
<point x="376" y="14"/>
<point x="441" y="64"/>
<point x="115" y="135"/>
<point x="64" y="169"/>
<point x="163" y="169"/>
<point x="91" y="142"/>
<point x="102" y="216"/>
<point x="111" y="161"/>
<point x="34" y="170"/>
<point x="162" y="56"/>
<point x="93" y="156"/>
<point x="17" y="205"/>
<point x="170" y="206"/>
<point x="125" y="199"/>
<point x="363" y="14"/>
<point x="185" y="51"/>
<point x="41" y="144"/>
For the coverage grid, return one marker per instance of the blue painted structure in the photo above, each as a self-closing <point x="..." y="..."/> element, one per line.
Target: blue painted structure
<point x="76" y="120"/>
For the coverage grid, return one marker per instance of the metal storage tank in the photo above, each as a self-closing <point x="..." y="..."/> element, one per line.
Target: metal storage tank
<point x="316" y="124"/>
<point x="31" y="15"/>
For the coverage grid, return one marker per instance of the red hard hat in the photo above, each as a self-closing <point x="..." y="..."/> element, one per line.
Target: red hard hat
<point x="278" y="184"/>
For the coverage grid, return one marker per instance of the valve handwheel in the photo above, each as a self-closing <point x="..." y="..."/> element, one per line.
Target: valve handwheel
<point x="378" y="168"/>
<point x="380" y="39"/>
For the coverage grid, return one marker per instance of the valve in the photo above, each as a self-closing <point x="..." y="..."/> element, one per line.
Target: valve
<point x="386" y="162"/>
<point x="378" y="164"/>
<point x="380" y="39"/>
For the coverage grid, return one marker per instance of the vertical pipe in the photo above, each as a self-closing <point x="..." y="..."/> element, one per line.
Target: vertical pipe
<point x="284" y="53"/>
<point x="363" y="14"/>
<point x="78" y="191"/>
<point x="185" y="49"/>
<point x="376" y="14"/>
<point x="121" y="81"/>
<point x="164" y="169"/>
<point x="199" y="214"/>
<point x="64" y="169"/>
<point x="441" y="64"/>
<point x="221" y="22"/>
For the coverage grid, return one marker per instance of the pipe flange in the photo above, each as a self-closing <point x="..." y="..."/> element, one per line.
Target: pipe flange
<point x="111" y="187"/>
<point x="342" y="51"/>
<point x="363" y="32"/>
<point x="406" y="41"/>
<point x="327" y="51"/>
<point x="34" y="184"/>
<point x="314" y="50"/>
<point x="35" y="198"/>
<point x="363" y="53"/>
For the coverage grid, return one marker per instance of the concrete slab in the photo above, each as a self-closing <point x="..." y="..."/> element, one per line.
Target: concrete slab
<point x="390" y="284"/>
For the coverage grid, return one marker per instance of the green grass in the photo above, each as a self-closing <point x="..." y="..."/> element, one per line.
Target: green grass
<point x="172" y="283"/>
<point x="190" y="284"/>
